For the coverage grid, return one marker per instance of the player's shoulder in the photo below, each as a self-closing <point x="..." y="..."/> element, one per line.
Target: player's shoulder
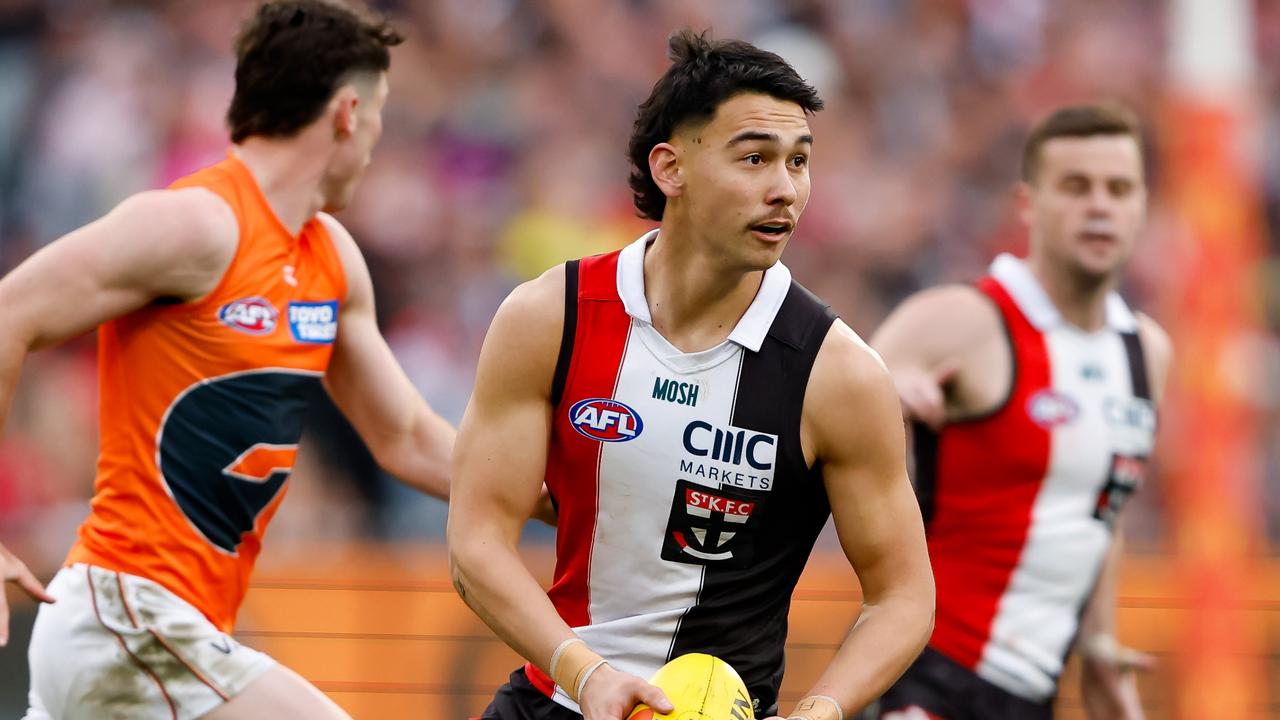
<point x="1154" y="338"/>
<point x="947" y="305"/>
<point x="525" y="336"/>
<point x="343" y="243"/>
<point x="190" y="222"/>
<point x="847" y="373"/>
<point x="337" y="231"/>
<point x="537" y="305"/>
<point x="938" y="322"/>
<point x="1158" y="349"/>
<point x="846" y="365"/>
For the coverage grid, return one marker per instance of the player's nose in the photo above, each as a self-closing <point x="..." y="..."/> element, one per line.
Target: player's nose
<point x="782" y="189"/>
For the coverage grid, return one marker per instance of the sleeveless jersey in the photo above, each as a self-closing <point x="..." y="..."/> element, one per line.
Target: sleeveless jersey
<point x="202" y="407"/>
<point x="687" y="511"/>
<point x="1019" y="504"/>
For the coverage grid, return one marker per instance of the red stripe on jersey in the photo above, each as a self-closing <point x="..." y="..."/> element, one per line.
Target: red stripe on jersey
<point x="540" y="680"/>
<point x="989" y="472"/>
<point x="573" y="459"/>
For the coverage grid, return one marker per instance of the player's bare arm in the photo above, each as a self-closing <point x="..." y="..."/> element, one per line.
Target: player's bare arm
<point x="165" y="243"/>
<point x="1108" y="685"/>
<point x="1159" y="354"/>
<point x="852" y="427"/>
<point x="407" y="438"/>
<point x="499" y="462"/>
<point x="945" y="348"/>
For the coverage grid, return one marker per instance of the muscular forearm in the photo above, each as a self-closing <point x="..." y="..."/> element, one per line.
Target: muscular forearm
<point x="495" y="583"/>
<point x="886" y="638"/>
<point x="420" y="456"/>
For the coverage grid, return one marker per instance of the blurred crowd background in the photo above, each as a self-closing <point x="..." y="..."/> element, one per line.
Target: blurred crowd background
<point x="503" y="154"/>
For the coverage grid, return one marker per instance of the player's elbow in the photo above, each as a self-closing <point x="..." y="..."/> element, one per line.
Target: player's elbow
<point x="466" y="543"/>
<point x="462" y="557"/>
<point x="470" y="553"/>
<point x="911" y="600"/>
<point x="456" y="573"/>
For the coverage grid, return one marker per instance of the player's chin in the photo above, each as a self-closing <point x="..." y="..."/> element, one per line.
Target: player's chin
<point x="1100" y="263"/>
<point x="765" y="250"/>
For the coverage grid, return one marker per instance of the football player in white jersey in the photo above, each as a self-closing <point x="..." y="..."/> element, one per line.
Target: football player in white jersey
<point x="720" y="157"/>
<point x="1033" y="397"/>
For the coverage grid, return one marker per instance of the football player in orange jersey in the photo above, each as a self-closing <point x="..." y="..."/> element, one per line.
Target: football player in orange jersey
<point x="222" y="304"/>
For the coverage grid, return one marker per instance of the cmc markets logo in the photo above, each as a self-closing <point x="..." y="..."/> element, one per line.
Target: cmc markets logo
<point x="731" y="445"/>
<point x="1050" y="408"/>
<point x="251" y="315"/>
<point x="605" y="420"/>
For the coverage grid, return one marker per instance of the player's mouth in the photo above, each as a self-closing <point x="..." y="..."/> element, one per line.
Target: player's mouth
<point x="772" y="230"/>
<point x="1096" y="233"/>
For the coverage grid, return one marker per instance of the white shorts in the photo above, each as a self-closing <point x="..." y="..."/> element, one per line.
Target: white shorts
<point x="117" y="646"/>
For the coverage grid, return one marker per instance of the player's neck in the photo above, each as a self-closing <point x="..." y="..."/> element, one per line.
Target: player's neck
<point x="694" y="302"/>
<point x="288" y="177"/>
<point x="1082" y="301"/>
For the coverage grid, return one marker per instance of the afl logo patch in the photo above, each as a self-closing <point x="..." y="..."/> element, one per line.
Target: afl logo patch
<point x="1050" y="408"/>
<point x="251" y="315"/>
<point x="605" y="420"/>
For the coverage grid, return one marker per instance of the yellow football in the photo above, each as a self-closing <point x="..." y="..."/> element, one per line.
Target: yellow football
<point x="701" y="687"/>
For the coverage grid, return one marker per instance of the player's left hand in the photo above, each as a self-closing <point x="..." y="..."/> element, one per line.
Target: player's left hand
<point x="1108" y="679"/>
<point x="15" y="571"/>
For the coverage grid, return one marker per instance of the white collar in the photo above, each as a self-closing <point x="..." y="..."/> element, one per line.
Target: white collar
<point x="1025" y="289"/>
<point x="752" y="327"/>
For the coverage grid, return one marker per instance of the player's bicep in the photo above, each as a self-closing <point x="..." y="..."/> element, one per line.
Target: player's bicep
<point x="499" y="459"/>
<point x="501" y="450"/>
<point x="155" y="244"/>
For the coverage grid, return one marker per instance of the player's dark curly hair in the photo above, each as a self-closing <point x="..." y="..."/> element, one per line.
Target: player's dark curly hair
<point x="293" y="54"/>
<point x="704" y="73"/>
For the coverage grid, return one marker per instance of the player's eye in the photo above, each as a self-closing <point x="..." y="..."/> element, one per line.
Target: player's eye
<point x="799" y="161"/>
<point x="1075" y="186"/>
<point x="754" y="159"/>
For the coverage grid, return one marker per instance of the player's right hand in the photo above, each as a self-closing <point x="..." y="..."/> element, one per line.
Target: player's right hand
<point x="14" y="570"/>
<point x="611" y="695"/>
<point x="922" y="392"/>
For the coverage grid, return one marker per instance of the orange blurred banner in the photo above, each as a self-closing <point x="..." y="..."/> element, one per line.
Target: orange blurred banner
<point x="1210" y="448"/>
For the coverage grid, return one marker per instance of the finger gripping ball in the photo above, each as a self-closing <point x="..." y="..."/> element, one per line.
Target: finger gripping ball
<point x="701" y="687"/>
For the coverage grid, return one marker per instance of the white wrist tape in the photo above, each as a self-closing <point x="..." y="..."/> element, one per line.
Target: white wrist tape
<point x="809" y="708"/>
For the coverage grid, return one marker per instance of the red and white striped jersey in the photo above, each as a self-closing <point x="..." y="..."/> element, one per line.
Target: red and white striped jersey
<point x="686" y="509"/>
<point x="1020" y="503"/>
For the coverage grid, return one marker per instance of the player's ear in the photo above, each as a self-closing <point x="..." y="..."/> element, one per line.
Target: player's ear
<point x="343" y="106"/>
<point x="1022" y="196"/>
<point x="665" y="167"/>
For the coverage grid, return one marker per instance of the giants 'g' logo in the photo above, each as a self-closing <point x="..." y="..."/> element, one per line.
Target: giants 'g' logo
<point x="226" y="446"/>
